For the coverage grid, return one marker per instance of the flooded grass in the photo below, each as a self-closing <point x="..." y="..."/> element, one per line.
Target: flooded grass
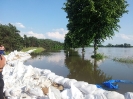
<point x="124" y="60"/>
<point x="98" y="56"/>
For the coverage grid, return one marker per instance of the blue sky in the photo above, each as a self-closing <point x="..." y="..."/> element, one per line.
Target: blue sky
<point x="45" y="19"/>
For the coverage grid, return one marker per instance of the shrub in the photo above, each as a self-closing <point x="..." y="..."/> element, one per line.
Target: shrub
<point x="98" y="56"/>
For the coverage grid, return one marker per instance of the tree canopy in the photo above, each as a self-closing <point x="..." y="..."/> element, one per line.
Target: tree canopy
<point x="92" y="21"/>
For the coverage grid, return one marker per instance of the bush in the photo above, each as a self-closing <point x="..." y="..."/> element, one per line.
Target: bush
<point x="98" y="56"/>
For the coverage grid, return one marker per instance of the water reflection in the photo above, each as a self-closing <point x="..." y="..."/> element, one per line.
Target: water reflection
<point x="76" y="65"/>
<point x="84" y="70"/>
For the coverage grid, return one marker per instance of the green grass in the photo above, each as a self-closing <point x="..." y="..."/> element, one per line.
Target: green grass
<point x="98" y="56"/>
<point x="37" y="51"/>
<point x="124" y="60"/>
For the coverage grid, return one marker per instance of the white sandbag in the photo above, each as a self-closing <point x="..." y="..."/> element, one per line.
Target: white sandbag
<point x="99" y="94"/>
<point x="99" y="91"/>
<point x="29" y="72"/>
<point x="76" y="93"/>
<point x="89" y="89"/>
<point x="13" y="97"/>
<point x="113" y="95"/>
<point x="50" y="75"/>
<point x="15" y="52"/>
<point x="72" y="93"/>
<point x="68" y="83"/>
<point x="46" y="71"/>
<point x="16" y="92"/>
<point x="44" y="82"/>
<point x="37" y="91"/>
<point x="62" y="82"/>
<point x="7" y="92"/>
<point x="51" y="95"/>
<point x="79" y="84"/>
<point x="56" y="92"/>
<point x="66" y="94"/>
<point x="25" y="96"/>
<point x="38" y="72"/>
<point x="58" y="79"/>
<point x="128" y="95"/>
<point x="89" y="96"/>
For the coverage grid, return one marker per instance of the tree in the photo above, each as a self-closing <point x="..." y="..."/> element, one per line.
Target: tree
<point x="93" y="20"/>
<point x="10" y="37"/>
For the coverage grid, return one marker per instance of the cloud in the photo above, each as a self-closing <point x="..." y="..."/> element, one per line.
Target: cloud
<point x="31" y="33"/>
<point x="125" y="37"/>
<point x="120" y="38"/>
<point x="37" y="35"/>
<point x="57" y="34"/>
<point x="20" y="25"/>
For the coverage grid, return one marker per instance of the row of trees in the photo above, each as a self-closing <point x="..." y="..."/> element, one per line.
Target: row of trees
<point x="118" y="45"/>
<point x="12" y="40"/>
<point x="92" y="21"/>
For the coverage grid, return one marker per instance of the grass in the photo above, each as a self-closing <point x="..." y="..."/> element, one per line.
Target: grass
<point x="37" y="51"/>
<point x="98" y="56"/>
<point x="124" y="60"/>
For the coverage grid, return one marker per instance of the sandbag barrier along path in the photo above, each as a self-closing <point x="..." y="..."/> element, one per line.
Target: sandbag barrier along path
<point x="27" y="82"/>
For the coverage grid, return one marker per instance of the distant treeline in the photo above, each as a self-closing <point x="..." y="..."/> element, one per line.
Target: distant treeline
<point x="117" y="45"/>
<point x="12" y="40"/>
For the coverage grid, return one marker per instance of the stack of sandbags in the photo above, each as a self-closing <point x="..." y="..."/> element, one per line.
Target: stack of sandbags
<point x="27" y="82"/>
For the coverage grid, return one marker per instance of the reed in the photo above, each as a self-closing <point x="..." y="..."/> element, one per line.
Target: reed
<point x="124" y="60"/>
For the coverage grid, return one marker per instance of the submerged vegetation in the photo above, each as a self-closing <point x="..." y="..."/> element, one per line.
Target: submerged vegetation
<point x="124" y="60"/>
<point x="98" y="56"/>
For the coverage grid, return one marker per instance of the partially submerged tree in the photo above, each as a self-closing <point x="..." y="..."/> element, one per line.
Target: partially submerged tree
<point x="93" y="20"/>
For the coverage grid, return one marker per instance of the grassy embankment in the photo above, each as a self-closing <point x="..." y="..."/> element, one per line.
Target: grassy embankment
<point x="37" y="51"/>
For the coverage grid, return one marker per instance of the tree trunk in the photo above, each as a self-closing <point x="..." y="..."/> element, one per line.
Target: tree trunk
<point x="83" y="49"/>
<point x="83" y="52"/>
<point x="95" y="47"/>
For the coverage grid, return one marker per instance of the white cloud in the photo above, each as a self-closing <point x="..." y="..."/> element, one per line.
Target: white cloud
<point x="31" y="33"/>
<point x="20" y="25"/>
<point x="57" y="34"/>
<point x="125" y="37"/>
<point x="120" y="38"/>
<point x="37" y="35"/>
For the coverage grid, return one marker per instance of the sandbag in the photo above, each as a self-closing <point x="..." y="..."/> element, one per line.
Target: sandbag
<point x="79" y="84"/>
<point x="128" y="95"/>
<point x="89" y="89"/>
<point x="72" y="93"/>
<point x="68" y="83"/>
<point x="113" y="95"/>
<point x="56" y="92"/>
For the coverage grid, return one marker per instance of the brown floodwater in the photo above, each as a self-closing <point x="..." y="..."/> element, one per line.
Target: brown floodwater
<point x="76" y="65"/>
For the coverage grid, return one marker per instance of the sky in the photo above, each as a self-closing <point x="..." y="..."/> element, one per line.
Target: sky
<point x="45" y="19"/>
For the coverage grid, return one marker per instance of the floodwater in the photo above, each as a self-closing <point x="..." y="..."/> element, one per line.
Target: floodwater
<point x="75" y="65"/>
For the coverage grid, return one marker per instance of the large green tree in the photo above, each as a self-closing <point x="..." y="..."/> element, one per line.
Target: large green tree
<point x="92" y="21"/>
